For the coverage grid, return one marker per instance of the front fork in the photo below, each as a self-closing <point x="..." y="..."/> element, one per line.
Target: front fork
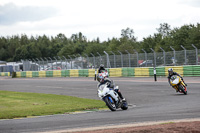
<point x="176" y="86"/>
<point x="183" y="83"/>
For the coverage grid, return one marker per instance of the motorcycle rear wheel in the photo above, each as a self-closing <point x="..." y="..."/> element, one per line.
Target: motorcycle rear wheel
<point x="124" y="106"/>
<point x="111" y="105"/>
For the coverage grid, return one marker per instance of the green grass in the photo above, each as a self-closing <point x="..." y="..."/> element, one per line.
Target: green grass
<point x="21" y="104"/>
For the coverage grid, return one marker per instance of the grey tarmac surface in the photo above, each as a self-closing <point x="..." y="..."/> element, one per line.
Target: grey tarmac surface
<point x="149" y="101"/>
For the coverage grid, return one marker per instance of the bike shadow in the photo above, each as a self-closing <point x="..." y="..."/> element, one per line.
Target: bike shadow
<point x="179" y="94"/>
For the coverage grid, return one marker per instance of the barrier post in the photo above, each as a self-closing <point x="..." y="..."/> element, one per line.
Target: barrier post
<point x="154" y="64"/>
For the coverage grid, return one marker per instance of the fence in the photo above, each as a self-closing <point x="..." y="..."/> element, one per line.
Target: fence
<point x="118" y="60"/>
<point x="111" y="60"/>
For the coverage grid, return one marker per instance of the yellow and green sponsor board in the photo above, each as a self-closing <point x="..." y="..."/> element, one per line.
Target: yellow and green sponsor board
<point x="142" y="72"/>
<point x="74" y="73"/>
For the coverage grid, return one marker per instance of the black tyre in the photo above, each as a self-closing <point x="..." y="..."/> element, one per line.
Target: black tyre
<point x="110" y="103"/>
<point x="182" y="89"/>
<point x="124" y="106"/>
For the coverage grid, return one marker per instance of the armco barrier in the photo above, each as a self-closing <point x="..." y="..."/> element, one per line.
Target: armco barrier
<point x="91" y="73"/>
<point x="74" y="73"/>
<point x="18" y="74"/>
<point x="49" y="74"/>
<point x="178" y="69"/>
<point x="83" y="72"/>
<point x="56" y="73"/>
<point x="35" y="74"/>
<point x="65" y="73"/>
<point x="128" y="72"/>
<point x="196" y="70"/>
<point x="191" y="70"/>
<point x="160" y="71"/>
<point x="29" y="74"/>
<point x="42" y="73"/>
<point x="23" y="74"/>
<point x="142" y="72"/>
<point x="113" y="72"/>
<point x="4" y="73"/>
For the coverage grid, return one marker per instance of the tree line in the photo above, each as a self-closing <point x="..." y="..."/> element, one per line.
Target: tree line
<point x="17" y="47"/>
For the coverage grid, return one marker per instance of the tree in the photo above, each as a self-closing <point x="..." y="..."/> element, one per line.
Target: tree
<point x="43" y="43"/>
<point x="12" y="45"/>
<point x="3" y="54"/>
<point x="164" y="29"/>
<point x="66" y="50"/>
<point x="17" y="47"/>
<point x="78" y="38"/>
<point x="128" y="34"/>
<point x="21" y="53"/>
<point x="94" y="47"/>
<point x="113" y="44"/>
<point x="194" y="35"/>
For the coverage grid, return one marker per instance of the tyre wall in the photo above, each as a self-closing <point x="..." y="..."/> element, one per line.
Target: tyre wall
<point x="113" y="72"/>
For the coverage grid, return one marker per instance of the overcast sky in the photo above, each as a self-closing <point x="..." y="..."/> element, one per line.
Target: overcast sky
<point x="94" y="18"/>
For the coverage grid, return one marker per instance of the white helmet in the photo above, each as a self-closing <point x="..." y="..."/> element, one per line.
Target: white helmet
<point x="170" y="71"/>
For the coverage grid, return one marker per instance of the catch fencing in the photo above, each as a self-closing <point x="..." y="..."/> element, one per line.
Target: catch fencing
<point x="110" y="59"/>
<point x="116" y="60"/>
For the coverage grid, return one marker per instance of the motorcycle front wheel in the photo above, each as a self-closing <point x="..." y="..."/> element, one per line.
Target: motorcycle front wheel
<point x="182" y="89"/>
<point x="110" y="103"/>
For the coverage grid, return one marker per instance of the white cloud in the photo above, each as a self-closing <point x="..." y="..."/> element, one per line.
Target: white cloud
<point x="11" y="14"/>
<point x="104" y="19"/>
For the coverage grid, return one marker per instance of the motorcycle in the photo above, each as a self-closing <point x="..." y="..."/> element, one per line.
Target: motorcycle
<point x="111" y="98"/>
<point x="178" y="84"/>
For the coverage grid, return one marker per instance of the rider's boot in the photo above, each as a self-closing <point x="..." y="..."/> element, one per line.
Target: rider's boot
<point x="123" y="100"/>
<point x="120" y="95"/>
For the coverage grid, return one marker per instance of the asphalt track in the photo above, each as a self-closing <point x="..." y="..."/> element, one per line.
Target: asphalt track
<point x="148" y="100"/>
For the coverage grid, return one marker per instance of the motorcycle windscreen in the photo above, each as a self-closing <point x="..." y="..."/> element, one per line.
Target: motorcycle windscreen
<point x="175" y="79"/>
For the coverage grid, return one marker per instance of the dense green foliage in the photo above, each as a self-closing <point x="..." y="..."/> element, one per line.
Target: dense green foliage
<point x="17" y="47"/>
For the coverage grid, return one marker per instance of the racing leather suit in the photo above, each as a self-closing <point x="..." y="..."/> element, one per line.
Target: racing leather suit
<point x="175" y="73"/>
<point x="100" y="69"/>
<point x="110" y="84"/>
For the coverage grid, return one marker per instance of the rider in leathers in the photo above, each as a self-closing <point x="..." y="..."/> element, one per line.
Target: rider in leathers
<point x="101" y="68"/>
<point x="171" y="73"/>
<point x="108" y="81"/>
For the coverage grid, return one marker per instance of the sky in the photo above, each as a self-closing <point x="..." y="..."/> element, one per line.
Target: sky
<point x="94" y="18"/>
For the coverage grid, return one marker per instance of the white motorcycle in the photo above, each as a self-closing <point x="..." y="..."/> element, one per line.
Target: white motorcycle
<point x="111" y="98"/>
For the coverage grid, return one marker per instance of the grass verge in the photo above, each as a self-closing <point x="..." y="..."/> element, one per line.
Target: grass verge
<point x="22" y="104"/>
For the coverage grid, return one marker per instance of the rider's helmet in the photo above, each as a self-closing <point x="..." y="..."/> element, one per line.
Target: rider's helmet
<point x="100" y="77"/>
<point x="101" y="68"/>
<point x="170" y="71"/>
<point x="102" y="65"/>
